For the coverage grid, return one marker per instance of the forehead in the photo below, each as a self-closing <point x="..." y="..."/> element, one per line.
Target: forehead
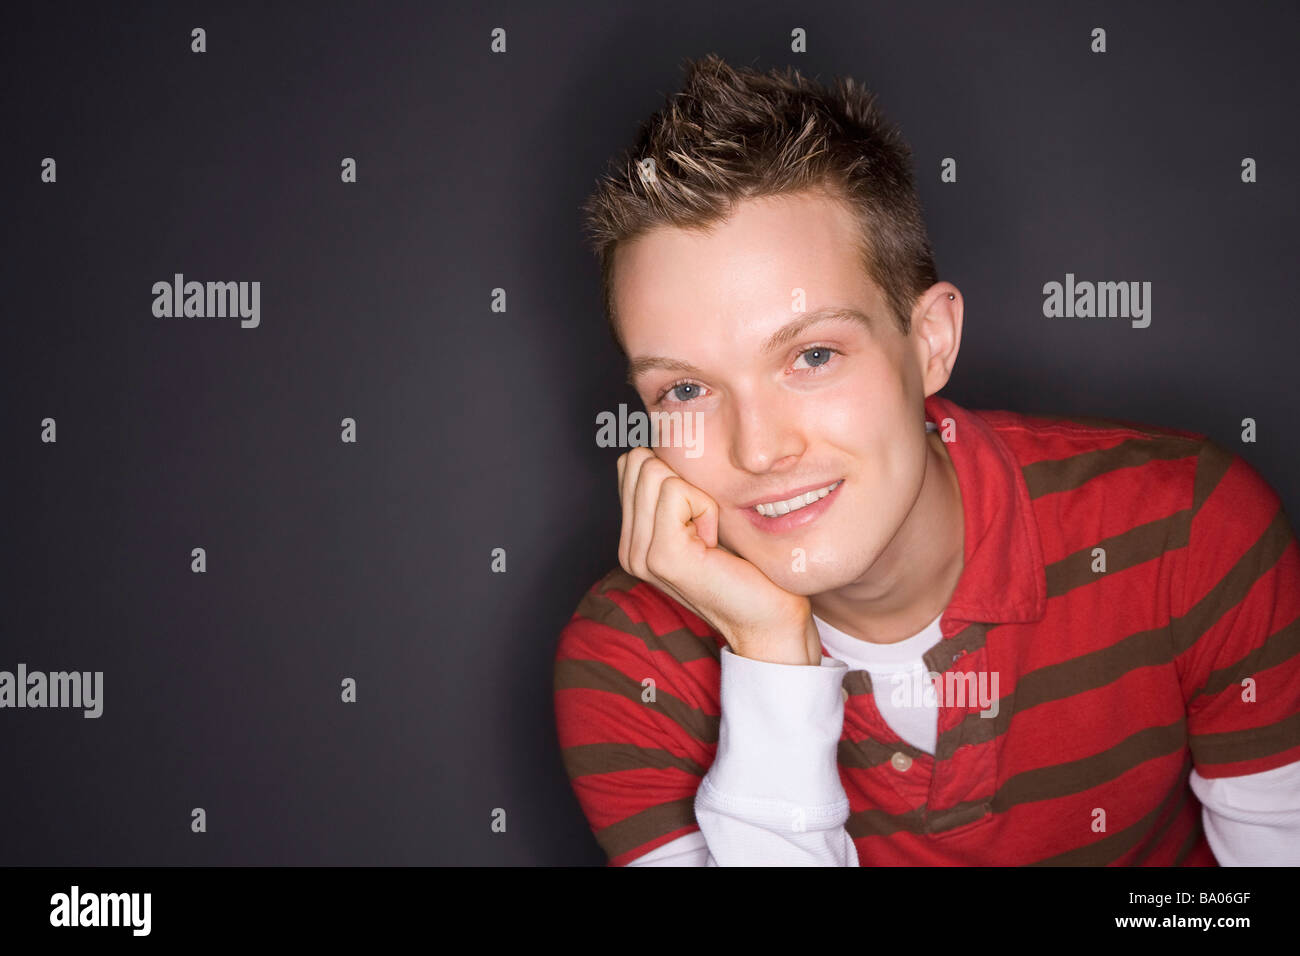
<point x="741" y="277"/>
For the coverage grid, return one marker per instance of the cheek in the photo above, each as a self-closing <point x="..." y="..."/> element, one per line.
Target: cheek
<point x="855" y="418"/>
<point x="869" y="390"/>
<point x="698" y="470"/>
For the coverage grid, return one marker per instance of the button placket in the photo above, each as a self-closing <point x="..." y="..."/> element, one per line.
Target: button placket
<point x="902" y="773"/>
<point x="970" y="770"/>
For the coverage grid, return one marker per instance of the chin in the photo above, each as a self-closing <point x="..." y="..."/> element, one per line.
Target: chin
<point x="825" y="576"/>
<point x="807" y="583"/>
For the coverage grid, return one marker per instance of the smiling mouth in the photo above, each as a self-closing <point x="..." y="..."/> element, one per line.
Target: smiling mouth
<point x="776" y="508"/>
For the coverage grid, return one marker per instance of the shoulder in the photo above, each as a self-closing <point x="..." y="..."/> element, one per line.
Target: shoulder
<point x="1211" y="507"/>
<point x="626" y="622"/>
<point x="1041" y="436"/>
<point x="1135" y="470"/>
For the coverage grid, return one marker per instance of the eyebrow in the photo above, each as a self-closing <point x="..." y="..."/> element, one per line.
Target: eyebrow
<point x="780" y="337"/>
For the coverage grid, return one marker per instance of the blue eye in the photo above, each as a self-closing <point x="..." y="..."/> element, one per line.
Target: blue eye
<point x="684" y="392"/>
<point x="824" y="353"/>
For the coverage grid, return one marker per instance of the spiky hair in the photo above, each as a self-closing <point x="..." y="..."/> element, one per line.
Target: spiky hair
<point x="733" y="134"/>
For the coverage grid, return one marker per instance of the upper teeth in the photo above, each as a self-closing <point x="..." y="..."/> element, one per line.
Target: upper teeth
<point x="794" y="504"/>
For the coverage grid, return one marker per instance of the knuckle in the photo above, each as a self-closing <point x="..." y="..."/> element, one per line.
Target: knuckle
<point x="652" y="464"/>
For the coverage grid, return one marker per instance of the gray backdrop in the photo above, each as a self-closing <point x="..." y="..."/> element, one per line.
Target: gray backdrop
<point x="475" y="428"/>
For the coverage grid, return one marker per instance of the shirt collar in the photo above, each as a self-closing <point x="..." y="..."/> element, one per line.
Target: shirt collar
<point x="1003" y="578"/>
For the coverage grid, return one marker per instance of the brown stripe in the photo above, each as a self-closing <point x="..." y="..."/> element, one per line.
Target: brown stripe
<point x="597" y="675"/>
<point x="1279" y="648"/>
<point x="681" y="643"/>
<point x="1061" y="681"/>
<point x="617" y="580"/>
<point x="1066" y="474"/>
<point x="1248" y="744"/>
<point x="1183" y="790"/>
<point x="1110" y="848"/>
<point x="1258" y="560"/>
<point x="869" y="752"/>
<point x="1212" y="463"/>
<point x="954" y="817"/>
<point x="1125" y="550"/>
<point x="1046" y="783"/>
<point x="1077" y="776"/>
<point x="968" y="640"/>
<point x="640" y="828"/>
<point x="584" y="759"/>
<point x="1093" y="669"/>
<point x="857" y="682"/>
<point x="1193" y="838"/>
<point x="869" y="823"/>
<point x="971" y="732"/>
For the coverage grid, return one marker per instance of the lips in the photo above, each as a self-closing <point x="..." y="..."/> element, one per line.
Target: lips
<point x="792" y="493"/>
<point x="767" y="517"/>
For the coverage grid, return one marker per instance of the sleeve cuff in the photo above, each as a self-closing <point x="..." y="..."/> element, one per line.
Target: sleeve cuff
<point x="778" y="742"/>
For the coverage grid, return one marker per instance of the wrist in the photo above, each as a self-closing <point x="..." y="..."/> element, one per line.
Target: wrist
<point x="795" y="643"/>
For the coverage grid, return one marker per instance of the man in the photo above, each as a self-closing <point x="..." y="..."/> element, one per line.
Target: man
<point x="863" y="625"/>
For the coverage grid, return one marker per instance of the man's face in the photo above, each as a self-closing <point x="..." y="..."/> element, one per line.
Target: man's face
<point x="837" y="402"/>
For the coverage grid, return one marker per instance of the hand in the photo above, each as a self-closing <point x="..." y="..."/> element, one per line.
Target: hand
<point x="670" y="539"/>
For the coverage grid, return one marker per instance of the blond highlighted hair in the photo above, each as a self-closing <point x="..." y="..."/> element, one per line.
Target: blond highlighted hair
<point x="733" y="134"/>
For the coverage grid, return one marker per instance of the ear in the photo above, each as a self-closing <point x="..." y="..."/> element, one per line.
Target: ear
<point x="936" y="327"/>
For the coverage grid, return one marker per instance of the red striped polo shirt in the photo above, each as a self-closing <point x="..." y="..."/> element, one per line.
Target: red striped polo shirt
<point x="1136" y="590"/>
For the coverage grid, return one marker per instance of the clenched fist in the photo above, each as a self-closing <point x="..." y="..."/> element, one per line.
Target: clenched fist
<point x="670" y="539"/>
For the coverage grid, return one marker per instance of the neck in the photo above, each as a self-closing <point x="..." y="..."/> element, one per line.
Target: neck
<point x="912" y="581"/>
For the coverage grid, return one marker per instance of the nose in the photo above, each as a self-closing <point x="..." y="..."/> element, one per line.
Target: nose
<point x="765" y="433"/>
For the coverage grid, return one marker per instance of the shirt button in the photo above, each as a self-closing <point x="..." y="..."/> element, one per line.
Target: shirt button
<point x="901" y="761"/>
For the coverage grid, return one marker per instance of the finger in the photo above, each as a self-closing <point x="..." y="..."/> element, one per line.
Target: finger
<point x="668" y="564"/>
<point x="645" y="501"/>
<point x="629" y="468"/>
<point x="677" y="551"/>
<point x="680" y="553"/>
<point x="624" y="527"/>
